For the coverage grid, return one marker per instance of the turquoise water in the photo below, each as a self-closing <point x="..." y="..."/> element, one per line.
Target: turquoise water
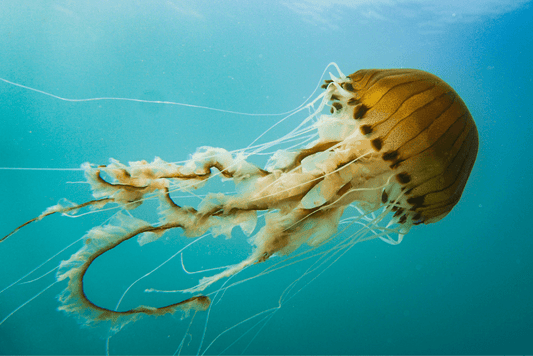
<point x="459" y="286"/>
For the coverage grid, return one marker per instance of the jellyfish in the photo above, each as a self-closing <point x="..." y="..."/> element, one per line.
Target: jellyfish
<point x="397" y="146"/>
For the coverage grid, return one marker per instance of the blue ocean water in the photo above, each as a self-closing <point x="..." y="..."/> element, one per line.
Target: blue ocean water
<point x="459" y="286"/>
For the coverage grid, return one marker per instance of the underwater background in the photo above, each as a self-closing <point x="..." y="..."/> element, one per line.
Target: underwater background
<point x="459" y="286"/>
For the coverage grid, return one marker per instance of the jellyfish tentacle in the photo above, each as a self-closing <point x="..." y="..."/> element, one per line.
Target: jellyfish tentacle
<point x="97" y="242"/>
<point x="60" y="208"/>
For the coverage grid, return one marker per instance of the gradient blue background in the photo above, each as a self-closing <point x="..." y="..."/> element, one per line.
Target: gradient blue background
<point x="460" y="286"/>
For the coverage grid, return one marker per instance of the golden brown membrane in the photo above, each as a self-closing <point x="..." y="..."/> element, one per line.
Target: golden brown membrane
<point x="423" y="129"/>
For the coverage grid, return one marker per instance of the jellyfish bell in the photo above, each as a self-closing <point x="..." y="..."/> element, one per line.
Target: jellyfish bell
<point x="396" y="147"/>
<point x="420" y="130"/>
